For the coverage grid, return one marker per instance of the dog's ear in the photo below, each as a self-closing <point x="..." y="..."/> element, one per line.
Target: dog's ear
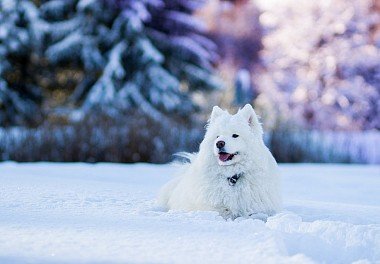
<point x="249" y="114"/>
<point x="216" y="112"/>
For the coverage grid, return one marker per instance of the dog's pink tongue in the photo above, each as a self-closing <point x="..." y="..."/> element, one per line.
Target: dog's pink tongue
<point x="224" y="157"/>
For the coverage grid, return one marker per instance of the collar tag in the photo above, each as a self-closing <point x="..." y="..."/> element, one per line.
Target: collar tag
<point x="233" y="180"/>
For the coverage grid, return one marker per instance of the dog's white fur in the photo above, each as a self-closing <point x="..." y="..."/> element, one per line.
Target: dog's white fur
<point x="203" y="183"/>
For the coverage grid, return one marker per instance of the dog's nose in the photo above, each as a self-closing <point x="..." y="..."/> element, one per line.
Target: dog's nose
<point x="220" y="144"/>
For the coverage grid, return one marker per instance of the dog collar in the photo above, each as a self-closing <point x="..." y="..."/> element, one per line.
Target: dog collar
<point x="233" y="180"/>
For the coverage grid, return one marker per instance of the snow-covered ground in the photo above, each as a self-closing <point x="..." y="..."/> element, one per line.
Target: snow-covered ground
<point x="105" y="213"/>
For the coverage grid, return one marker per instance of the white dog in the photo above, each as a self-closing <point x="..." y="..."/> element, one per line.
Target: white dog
<point x="233" y="173"/>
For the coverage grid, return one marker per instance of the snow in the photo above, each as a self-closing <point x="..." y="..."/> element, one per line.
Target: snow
<point x="106" y="213"/>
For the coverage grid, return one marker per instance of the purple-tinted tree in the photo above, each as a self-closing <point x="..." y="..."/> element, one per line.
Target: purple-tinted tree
<point x="322" y="64"/>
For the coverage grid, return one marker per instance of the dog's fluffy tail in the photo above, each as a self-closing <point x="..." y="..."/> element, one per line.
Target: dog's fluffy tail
<point x="182" y="160"/>
<point x="184" y="157"/>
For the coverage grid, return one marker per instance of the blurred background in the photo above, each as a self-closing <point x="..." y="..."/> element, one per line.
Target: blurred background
<point x="135" y="80"/>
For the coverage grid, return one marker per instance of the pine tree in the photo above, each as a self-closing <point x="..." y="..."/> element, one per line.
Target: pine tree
<point x="21" y="32"/>
<point x="145" y="54"/>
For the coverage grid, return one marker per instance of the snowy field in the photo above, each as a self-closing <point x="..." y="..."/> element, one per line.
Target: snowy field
<point x="105" y="213"/>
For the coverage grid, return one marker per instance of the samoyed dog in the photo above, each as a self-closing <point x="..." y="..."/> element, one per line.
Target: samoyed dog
<point x="233" y="173"/>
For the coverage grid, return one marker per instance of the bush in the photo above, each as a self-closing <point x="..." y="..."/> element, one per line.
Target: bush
<point x="96" y="139"/>
<point x="138" y="138"/>
<point x="325" y="146"/>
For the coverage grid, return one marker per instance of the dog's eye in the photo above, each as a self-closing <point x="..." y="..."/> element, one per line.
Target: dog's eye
<point x="235" y="135"/>
<point x="217" y="136"/>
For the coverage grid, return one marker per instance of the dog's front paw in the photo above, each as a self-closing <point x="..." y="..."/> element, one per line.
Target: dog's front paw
<point x="226" y="214"/>
<point x="260" y="216"/>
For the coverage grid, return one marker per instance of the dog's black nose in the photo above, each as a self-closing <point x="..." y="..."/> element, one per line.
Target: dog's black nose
<point x="220" y="144"/>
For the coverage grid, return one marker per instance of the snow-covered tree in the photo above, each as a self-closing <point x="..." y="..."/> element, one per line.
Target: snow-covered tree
<point x="145" y="54"/>
<point x="21" y="32"/>
<point x="322" y="63"/>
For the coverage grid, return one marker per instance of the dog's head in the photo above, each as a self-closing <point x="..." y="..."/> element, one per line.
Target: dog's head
<point x="233" y="137"/>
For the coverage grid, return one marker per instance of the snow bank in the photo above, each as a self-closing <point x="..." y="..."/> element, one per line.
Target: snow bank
<point x="105" y="213"/>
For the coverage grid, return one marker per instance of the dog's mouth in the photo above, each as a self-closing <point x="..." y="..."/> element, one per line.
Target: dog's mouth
<point x="224" y="156"/>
